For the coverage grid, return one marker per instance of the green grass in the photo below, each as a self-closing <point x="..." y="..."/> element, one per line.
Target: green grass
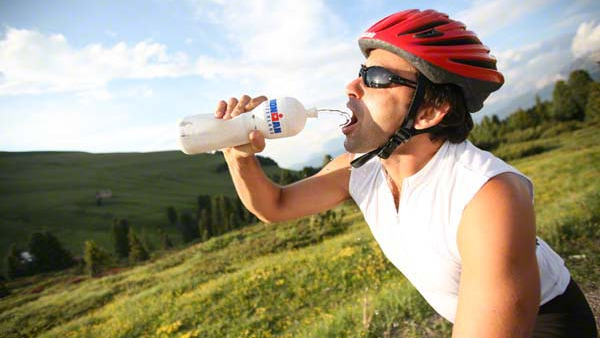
<point x="56" y="191"/>
<point x="297" y="279"/>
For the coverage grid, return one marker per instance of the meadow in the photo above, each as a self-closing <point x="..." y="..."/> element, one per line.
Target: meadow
<point x="303" y="278"/>
<point x="56" y="191"/>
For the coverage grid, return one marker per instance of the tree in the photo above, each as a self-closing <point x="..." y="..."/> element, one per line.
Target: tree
<point x="579" y="81"/>
<point x="48" y="253"/>
<point x="564" y="107"/>
<point x="137" y="252"/>
<point x="234" y="222"/>
<point x="188" y="227"/>
<point x="204" y="225"/>
<point x="326" y="159"/>
<point x="95" y="258"/>
<point x="120" y="232"/>
<point x="216" y="215"/>
<point x="542" y="109"/>
<point x="15" y="265"/>
<point x="3" y="289"/>
<point x="165" y="241"/>
<point x="592" y="108"/>
<point x="172" y="215"/>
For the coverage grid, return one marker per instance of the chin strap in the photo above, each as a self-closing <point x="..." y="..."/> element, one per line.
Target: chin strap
<point x="405" y="132"/>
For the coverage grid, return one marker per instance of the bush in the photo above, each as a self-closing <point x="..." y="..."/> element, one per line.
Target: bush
<point x="509" y="152"/>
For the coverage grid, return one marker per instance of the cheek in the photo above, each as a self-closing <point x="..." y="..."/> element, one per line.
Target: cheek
<point x="387" y="115"/>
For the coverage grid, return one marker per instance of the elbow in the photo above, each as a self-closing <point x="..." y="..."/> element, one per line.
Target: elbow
<point x="270" y="218"/>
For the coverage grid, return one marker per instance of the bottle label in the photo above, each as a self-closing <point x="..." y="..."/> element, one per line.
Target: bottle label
<point x="273" y="117"/>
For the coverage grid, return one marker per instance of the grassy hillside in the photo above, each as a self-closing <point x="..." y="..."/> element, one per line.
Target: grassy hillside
<point x="56" y="191"/>
<point x="299" y="279"/>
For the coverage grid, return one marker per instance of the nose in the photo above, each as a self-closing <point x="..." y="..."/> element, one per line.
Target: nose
<point x="354" y="88"/>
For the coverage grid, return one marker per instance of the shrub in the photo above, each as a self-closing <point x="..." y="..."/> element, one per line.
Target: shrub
<point x="509" y="152"/>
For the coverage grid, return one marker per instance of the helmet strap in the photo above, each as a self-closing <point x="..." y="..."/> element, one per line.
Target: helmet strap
<point x="404" y="133"/>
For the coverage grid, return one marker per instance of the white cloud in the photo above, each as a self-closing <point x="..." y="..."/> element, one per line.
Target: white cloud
<point x="274" y="48"/>
<point x="531" y="67"/>
<point x="33" y="63"/>
<point x="587" y="39"/>
<point x="487" y="17"/>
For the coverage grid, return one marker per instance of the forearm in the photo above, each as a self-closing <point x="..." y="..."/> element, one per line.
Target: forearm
<point x="257" y="192"/>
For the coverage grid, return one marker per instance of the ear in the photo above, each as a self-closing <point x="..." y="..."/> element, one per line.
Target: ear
<point x="431" y="116"/>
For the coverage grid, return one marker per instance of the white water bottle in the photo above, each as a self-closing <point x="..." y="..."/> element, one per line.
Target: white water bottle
<point x="276" y="118"/>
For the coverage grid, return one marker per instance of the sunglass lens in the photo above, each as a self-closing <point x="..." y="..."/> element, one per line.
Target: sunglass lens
<point x="377" y="77"/>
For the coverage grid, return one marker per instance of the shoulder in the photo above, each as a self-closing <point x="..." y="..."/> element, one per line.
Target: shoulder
<point x="499" y="216"/>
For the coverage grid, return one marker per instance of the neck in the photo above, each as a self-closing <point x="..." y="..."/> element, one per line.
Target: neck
<point x="410" y="157"/>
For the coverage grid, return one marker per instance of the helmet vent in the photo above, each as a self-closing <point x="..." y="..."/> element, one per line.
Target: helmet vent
<point x="477" y="63"/>
<point x="432" y="33"/>
<point x="452" y="42"/>
<point x="425" y="27"/>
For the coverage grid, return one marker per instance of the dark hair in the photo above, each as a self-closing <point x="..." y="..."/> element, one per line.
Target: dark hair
<point x="457" y="123"/>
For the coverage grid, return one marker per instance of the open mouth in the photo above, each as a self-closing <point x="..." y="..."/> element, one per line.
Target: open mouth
<point x="348" y="127"/>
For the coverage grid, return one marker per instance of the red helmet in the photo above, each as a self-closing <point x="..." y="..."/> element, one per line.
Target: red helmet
<point x="440" y="48"/>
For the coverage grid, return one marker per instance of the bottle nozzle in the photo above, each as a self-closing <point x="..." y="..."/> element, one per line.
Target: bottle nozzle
<point x="312" y="112"/>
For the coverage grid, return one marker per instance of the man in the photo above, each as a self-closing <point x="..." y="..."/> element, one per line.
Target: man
<point x="458" y="222"/>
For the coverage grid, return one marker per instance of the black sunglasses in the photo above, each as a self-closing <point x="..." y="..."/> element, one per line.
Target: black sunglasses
<point x="379" y="77"/>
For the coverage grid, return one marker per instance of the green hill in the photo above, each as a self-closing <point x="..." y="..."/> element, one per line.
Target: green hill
<point x="56" y="191"/>
<point x="301" y="278"/>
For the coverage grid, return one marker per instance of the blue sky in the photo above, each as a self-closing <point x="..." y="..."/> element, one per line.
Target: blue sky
<point x="114" y="76"/>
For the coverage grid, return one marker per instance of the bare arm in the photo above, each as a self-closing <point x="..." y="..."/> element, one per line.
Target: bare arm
<point x="267" y="200"/>
<point x="499" y="290"/>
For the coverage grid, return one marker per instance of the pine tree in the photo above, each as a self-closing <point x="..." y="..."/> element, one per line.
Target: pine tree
<point x="48" y="253"/>
<point x="234" y="222"/>
<point x="225" y="212"/>
<point x="216" y="219"/>
<point x="172" y="215"/>
<point x="165" y="241"/>
<point x="95" y="258"/>
<point x="137" y="252"/>
<point x="120" y="232"/>
<point x="3" y="288"/>
<point x="146" y="241"/>
<point x="188" y="227"/>
<point x="15" y="266"/>
<point x="202" y="203"/>
<point x="204" y="225"/>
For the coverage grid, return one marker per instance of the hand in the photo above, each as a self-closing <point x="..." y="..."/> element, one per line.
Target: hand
<point x="233" y="108"/>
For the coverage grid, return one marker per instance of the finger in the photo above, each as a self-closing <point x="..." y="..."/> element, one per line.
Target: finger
<point x="220" y="111"/>
<point x="255" y="102"/>
<point x="257" y="141"/>
<point x="230" y="106"/>
<point x="241" y="106"/>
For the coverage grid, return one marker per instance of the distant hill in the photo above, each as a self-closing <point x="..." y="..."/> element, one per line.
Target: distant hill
<point x="56" y="191"/>
<point x="589" y="63"/>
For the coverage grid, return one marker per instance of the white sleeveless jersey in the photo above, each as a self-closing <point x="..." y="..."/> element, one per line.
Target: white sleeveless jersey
<point x="420" y="238"/>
